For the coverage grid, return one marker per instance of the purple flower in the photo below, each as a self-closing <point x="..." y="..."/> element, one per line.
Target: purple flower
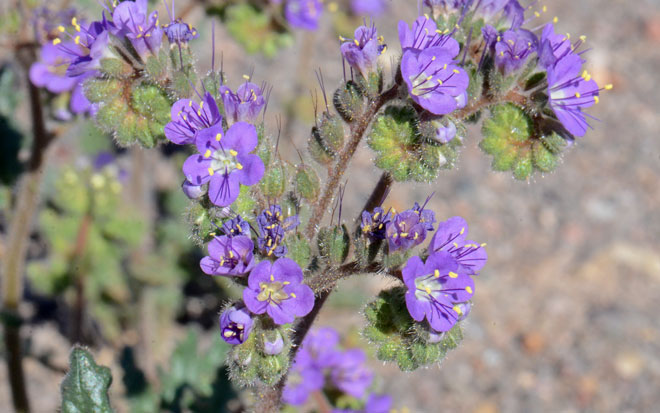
<point x="571" y="91"/>
<point x="450" y="237"/>
<point x="426" y="216"/>
<point x="50" y="71"/>
<point x="236" y="226"/>
<point x="435" y="289"/>
<point x="192" y="191"/>
<point x="552" y="46"/>
<point x="90" y="45"/>
<point x="303" y="14"/>
<point x="79" y="102"/>
<point x="513" y="48"/>
<point x="230" y="257"/>
<point x="274" y="346"/>
<point x="444" y="134"/>
<point x="224" y="161"/>
<point x="235" y="324"/>
<point x="179" y="32"/>
<point x="189" y="118"/>
<point x="301" y="381"/>
<point x="374" y="224"/>
<point x="405" y="231"/>
<point x="244" y="105"/>
<point x="363" y="51"/>
<point x="275" y="288"/>
<point x="424" y="35"/>
<point x="350" y="373"/>
<point x="371" y="8"/>
<point x="133" y="21"/>
<point x="434" y="81"/>
<point x="512" y="12"/>
<point x="272" y="227"/>
<point x="319" y="349"/>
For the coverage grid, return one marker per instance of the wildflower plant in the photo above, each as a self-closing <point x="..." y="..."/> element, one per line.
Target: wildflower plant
<point x="262" y="218"/>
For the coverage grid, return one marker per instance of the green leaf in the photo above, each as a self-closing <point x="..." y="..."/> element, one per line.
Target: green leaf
<point x="85" y="387"/>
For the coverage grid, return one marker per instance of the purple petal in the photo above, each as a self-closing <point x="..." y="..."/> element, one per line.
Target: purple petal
<point x="196" y="169"/>
<point x="224" y="189"/>
<point x="252" y="171"/>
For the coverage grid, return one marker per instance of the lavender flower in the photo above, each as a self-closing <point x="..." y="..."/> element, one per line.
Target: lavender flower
<point x="235" y="324"/>
<point x="302" y="380"/>
<point x="552" y="46"/>
<point x="435" y="289"/>
<point x="178" y="32"/>
<point x="424" y="35"/>
<point x="371" y="8"/>
<point x="319" y="349"/>
<point x="512" y="12"/>
<point x="230" y="257"/>
<point x="131" y="19"/>
<point x="350" y="373"/>
<point x="236" y="226"/>
<point x="374" y="224"/>
<point x="244" y="105"/>
<point x="50" y="71"/>
<point x="362" y="52"/>
<point x="275" y="288"/>
<point x="272" y="227"/>
<point x="444" y="134"/>
<point x="434" y="81"/>
<point x="513" y="48"/>
<point x="224" y="161"/>
<point x="405" y="231"/>
<point x="571" y="91"/>
<point x="90" y="45"/>
<point x="303" y="14"/>
<point x="450" y="237"/>
<point x="274" y="346"/>
<point x="189" y="118"/>
<point x="426" y="216"/>
<point x="193" y="191"/>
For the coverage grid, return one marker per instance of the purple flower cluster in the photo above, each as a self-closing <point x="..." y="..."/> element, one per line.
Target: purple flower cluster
<point x="229" y="256"/>
<point x="244" y="105"/>
<point x="403" y="230"/>
<point x="132" y="20"/>
<point x="570" y="88"/>
<point x="320" y="362"/>
<point x="272" y="228"/>
<point x="440" y="288"/>
<point x="434" y="80"/>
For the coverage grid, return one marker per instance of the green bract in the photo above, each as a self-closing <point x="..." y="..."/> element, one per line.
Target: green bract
<point x="85" y="387"/>
<point x="510" y="137"/>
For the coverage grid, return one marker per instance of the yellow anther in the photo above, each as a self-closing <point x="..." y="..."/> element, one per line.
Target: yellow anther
<point x="578" y="95"/>
<point x="140" y="28"/>
<point x="458" y="310"/>
<point x="468" y="289"/>
<point x="57" y="41"/>
<point x="483" y="245"/>
<point x="356" y="42"/>
<point x="462" y="231"/>
<point x="404" y="234"/>
<point x="456" y="71"/>
<point x="272" y="278"/>
<point x="609" y="86"/>
<point x="537" y="14"/>
<point x="545" y="9"/>
<point x="231" y="254"/>
<point x="444" y="67"/>
<point x="293" y="295"/>
<point x="433" y="59"/>
<point x="76" y="40"/>
<point x="218" y="137"/>
<point x="246" y="77"/>
<point x="499" y="38"/>
<point x="228" y="333"/>
<point x="239" y="166"/>
<point x="333" y="7"/>
<point x="428" y="290"/>
<point x="436" y="273"/>
<point x="211" y="171"/>
<point x="61" y="29"/>
<point x="233" y="152"/>
<point x="455" y="244"/>
<point x="452" y="274"/>
<point x="596" y="99"/>
<point x="286" y="283"/>
<point x="207" y="153"/>
<point x="568" y="35"/>
<point x="555" y="20"/>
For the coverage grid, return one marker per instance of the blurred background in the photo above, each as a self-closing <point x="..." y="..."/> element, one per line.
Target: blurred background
<point x="565" y="314"/>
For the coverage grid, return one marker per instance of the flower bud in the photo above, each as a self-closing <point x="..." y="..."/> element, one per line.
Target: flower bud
<point x="307" y="182"/>
<point x="236" y="324"/>
<point x="349" y="101"/>
<point x="115" y="68"/>
<point x="319" y="150"/>
<point x="273" y="342"/>
<point x="334" y="243"/>
<point x="273" y="182"/>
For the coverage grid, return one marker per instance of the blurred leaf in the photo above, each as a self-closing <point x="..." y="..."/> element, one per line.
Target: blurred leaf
<point x="85" y="387"/>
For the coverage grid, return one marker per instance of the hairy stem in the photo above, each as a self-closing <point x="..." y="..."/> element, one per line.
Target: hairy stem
<point x="358" y="128"/>
<point x="20" y="226"/>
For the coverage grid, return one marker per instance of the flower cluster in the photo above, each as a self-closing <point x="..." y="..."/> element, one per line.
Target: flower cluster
<point x="320" y="363"/>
